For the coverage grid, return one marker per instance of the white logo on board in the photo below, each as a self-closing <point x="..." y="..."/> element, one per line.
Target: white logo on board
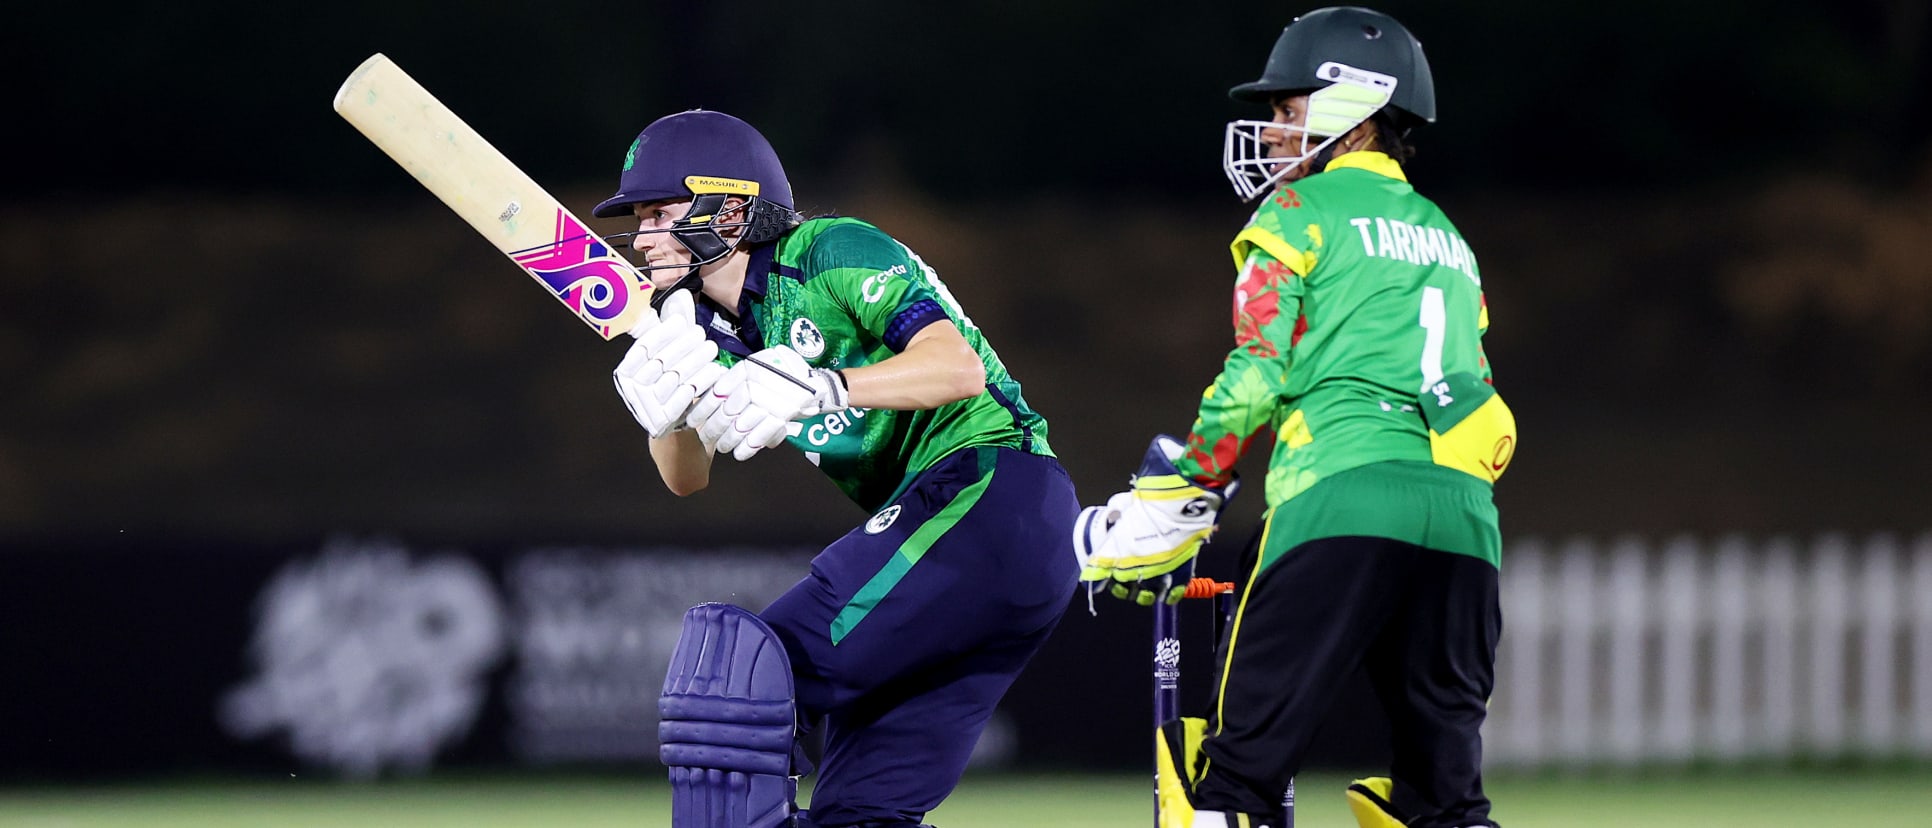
<point x="368" y="658"/>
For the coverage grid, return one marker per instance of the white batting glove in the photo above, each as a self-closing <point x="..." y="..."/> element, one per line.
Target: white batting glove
<point x="669" y="366"/>
<point x="752" y="406"/>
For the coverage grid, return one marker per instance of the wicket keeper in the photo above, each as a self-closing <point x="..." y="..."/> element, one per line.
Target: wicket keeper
<point x="1358" y="321"/>
<point x="831" y="335"/>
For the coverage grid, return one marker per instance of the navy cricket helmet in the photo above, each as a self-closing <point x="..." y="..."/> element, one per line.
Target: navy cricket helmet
<point x="708" y="157"/>
<point x="724" y="153"/>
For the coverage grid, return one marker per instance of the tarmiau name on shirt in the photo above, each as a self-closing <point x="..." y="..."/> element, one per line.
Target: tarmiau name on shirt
<point x="1387" y="238"/>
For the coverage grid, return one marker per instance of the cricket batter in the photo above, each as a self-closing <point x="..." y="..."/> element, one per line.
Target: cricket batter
<point x="1358" y="323"/>
<point x="830" y="335"/>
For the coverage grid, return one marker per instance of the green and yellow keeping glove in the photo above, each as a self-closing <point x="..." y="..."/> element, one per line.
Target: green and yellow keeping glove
<point x="1140" y="546"/>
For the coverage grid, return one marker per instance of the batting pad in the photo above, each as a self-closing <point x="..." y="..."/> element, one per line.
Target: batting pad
<point x="728" y="723"/>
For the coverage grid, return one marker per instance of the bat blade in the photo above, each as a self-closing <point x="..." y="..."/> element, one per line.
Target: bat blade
<point x="479" y="184"/>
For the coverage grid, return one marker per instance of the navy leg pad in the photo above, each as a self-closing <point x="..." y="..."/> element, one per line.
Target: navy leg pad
<point x="728" y="723"/>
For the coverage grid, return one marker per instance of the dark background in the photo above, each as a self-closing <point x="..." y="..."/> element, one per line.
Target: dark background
<point x="227" y="320"/>
<point x="1703" y="228"/>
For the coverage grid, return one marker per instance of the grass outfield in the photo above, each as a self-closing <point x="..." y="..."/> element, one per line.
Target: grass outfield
<point x="1892" y="798"/>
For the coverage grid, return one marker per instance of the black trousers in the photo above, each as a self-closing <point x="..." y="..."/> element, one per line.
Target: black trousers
<point x="1423" y="623"/>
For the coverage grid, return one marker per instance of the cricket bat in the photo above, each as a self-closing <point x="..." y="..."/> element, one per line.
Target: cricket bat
<point x="499" y="200"/>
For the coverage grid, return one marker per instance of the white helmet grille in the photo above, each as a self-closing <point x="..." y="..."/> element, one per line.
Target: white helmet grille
<point x="1354" y="96"/>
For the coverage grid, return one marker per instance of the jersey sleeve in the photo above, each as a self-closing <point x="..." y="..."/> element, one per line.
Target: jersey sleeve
<point x="1273" y="257"/>
<point x="1283" y="229"/>
<point x="876" y="280"/>
<point x="1241" y="401"/>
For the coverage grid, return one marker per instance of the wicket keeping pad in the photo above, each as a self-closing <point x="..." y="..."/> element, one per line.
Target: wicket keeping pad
<point x="728" y="723"/>
<point x="1368" y="800"/>
<point x="1177" y="759"/>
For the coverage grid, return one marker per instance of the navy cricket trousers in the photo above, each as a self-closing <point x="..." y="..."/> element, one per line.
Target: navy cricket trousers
<point x="910" y="628"/>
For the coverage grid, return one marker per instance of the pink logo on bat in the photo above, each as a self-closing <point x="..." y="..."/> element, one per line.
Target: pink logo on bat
<point x="583" y="272"/>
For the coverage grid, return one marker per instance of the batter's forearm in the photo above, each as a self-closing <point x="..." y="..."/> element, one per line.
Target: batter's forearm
<point x="683" y="462"/>
<point x="937" y="367"/>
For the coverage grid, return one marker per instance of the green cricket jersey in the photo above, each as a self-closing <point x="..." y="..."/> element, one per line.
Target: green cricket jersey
<point x="843" y="294"/>
<point x="1357" y="309"/>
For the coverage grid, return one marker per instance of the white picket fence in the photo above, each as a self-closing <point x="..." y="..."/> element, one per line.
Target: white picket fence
<point x="1634" y="652"/>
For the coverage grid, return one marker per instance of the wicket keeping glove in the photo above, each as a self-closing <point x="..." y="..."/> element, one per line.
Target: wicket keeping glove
<point x="752" y="407"/>
<point x="669" y="366"/>
<point x="1141" y="545"/>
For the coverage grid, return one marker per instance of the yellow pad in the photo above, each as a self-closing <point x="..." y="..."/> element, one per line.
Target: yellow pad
<point x="1369" y="800"/>
<point x="1173" y="780"/>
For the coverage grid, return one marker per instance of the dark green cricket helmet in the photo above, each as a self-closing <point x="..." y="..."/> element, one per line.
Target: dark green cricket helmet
<point x="1353" y="36"/>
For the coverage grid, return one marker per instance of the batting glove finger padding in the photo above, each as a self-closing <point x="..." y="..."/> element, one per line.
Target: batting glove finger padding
<point x="752" y="406"/>
<point x="667" y="368"/>
<point x="705" y="419"/>
<point x="688" y="359"/>
<point x="680" y="396"/>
